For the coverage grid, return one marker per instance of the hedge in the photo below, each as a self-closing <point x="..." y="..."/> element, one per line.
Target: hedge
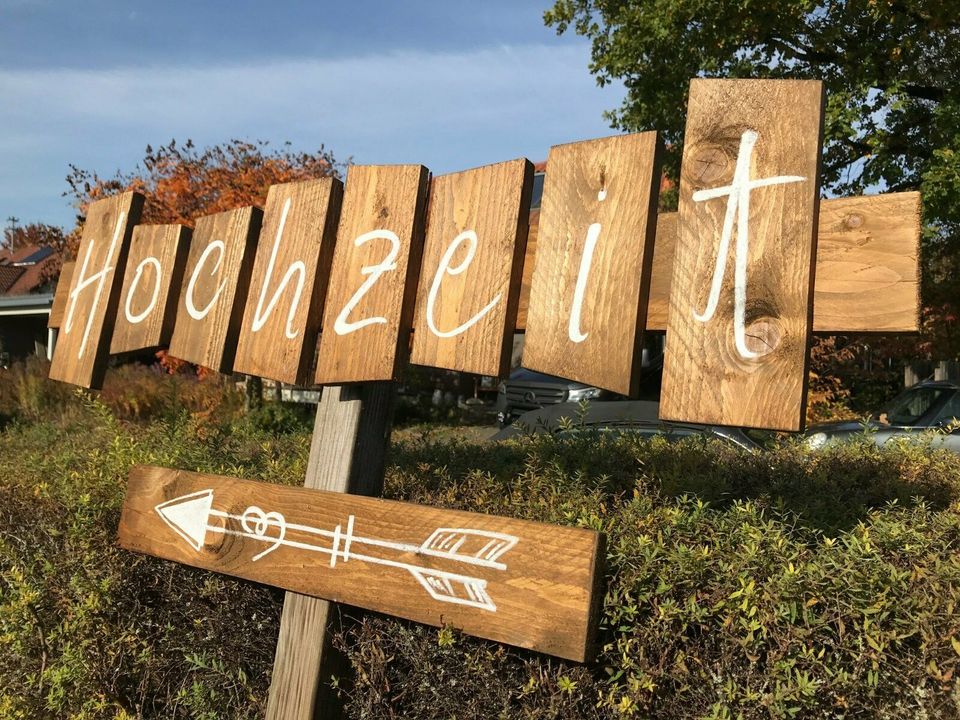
<point x="772" y="585"/>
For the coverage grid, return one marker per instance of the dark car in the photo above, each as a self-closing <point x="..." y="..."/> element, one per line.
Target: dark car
<point x="526" y="390"/>
<point x="626" y="416"/>
<point x="914" y="414"/>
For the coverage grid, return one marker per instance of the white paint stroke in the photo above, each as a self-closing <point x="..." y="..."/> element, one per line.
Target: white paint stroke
<point x="261" y="316"/>
<point x="191" y="286"/>
<point x="189" y="516"/>
<point x="446" y="269"/>
<point x="738" y="207"/>
<point x="127" y="312"/>
<point x="586" y="262"/>
<point x="83" y="282"/>
<point x="343" y="326"/>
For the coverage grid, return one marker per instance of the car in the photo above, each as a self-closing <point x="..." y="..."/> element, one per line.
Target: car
<point x="526" y="390"/>
<point x="926" y="412"/>
<point x="639" y="417"/>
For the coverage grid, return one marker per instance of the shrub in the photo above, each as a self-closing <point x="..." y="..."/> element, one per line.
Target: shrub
<point x="774" y="585"/>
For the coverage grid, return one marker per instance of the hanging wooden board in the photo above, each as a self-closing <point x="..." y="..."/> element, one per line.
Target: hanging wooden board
<point x="523" y="583"/>
<point x="588" y="295"/>
<point x="868" y="266"/>
<point x="151" y="287"/>
<point x="83" y="343"/>
<point x="741" y="298"/>
<point x="472" y="262"/>
<point x="214" y="291"/>
<point x="373" y="282"/>
<point x="289" y="281"/>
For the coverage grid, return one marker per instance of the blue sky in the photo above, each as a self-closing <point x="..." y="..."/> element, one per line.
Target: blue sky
<point x="449" y="84"/>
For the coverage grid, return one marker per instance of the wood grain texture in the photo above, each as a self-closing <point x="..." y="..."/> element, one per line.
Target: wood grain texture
<point x="151" y="287"/>
<point x="588" y="296"/>
<point x="868" y="266"/>
<point x="83" y="343"/>
<point x="710" y="374"/>
<point x="494" y="203"/>
<point x="378" y="199"/>
<point x="299" y="230"/>
<point x="61" y="295"/>
<point x="515" y="581"/>
<point x="215" y="290"/>
<point x="347" y="454"/>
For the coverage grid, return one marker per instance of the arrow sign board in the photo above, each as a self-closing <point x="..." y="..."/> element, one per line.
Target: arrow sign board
<point x="523" y="583"/>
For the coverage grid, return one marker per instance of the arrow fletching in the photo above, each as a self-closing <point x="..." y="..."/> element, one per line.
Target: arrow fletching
<point x="482" y="547"/>
<point x="453" y="588"/>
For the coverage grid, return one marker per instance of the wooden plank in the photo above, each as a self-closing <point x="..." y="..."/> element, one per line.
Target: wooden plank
<point x="738" y="336"/>
<point x="373" y="282"/>
<point x="588" y="297"/>
<point x="470" y="278"/>
<point x="868" y="266"/>
<point x="519" y="582"/>
<point x="60" y="296"/>
<point x="347" y="454"/>
<point x="151" y="287"/>
<point x="214" y="292"/>
<point x="83" y="343"/>
<point x="289" y="281"/>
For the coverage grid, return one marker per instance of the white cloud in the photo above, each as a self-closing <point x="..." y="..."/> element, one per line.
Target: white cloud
<point x="449" y="111"/>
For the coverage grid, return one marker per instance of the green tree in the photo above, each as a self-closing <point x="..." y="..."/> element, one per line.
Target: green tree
<point x="892" y="74"/>
<point x="891" y="69"/>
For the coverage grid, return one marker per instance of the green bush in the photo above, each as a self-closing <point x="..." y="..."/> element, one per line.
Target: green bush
<point x="775" y="585"/>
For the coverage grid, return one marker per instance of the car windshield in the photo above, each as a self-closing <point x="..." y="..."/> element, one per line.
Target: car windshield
<point x="909" y="407"/>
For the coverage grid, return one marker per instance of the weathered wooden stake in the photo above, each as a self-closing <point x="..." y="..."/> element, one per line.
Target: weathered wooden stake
<point x="347" y="454"/>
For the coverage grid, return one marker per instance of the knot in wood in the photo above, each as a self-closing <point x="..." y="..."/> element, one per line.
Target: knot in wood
<point x="853" y="221"/>
<point x="709" y="165"/>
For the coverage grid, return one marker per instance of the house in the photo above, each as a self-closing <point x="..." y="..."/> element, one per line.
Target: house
<point x="28" y="276"/>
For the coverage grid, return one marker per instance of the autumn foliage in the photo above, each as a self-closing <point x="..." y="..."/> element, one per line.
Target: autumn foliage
<point x="183" y="183"/>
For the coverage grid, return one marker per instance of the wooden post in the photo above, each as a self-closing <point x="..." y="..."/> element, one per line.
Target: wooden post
<point x="347" y="454"/>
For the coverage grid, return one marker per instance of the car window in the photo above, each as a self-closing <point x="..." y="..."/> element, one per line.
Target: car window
<point x="950" y="411"/>
<point x="912" y="405"/>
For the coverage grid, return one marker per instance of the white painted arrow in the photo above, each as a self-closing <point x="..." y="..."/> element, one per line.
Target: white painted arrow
<point x="189" y="517"/>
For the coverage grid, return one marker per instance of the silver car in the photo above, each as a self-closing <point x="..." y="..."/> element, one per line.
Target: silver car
<point x="928" y="412"/>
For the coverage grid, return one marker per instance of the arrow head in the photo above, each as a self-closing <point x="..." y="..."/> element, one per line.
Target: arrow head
<point x="188" y="515"/>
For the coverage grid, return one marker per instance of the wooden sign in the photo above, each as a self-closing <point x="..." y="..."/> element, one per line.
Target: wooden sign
<point x="289" y="281"/>
<point x="61" y="296"/>
<point x="588" y="295"/>
<point x="151" y="287"/>
<point x="519" y="582"/>
<point x="472" y="261"/>
<point x="83" y="342"/>
<point x="740" y="318"/>
<point x="868" y="266"/>
<point x="376" y="264"/>
<point x="214" y="291"/>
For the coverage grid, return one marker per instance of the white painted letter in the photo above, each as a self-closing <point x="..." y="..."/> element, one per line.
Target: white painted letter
<point x="342" y="326"/>
<point x="586" y="260"/>
<point x="738" y="206"/>
<point x="135" y="319"/>
<point x="260" y="316"/>
<point x="191" y="306"/>
<point x="445" y="268"/>
<point x="83" y="281"/>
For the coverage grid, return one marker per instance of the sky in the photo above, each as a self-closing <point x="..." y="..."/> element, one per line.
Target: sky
<point x="452" y="84"/>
